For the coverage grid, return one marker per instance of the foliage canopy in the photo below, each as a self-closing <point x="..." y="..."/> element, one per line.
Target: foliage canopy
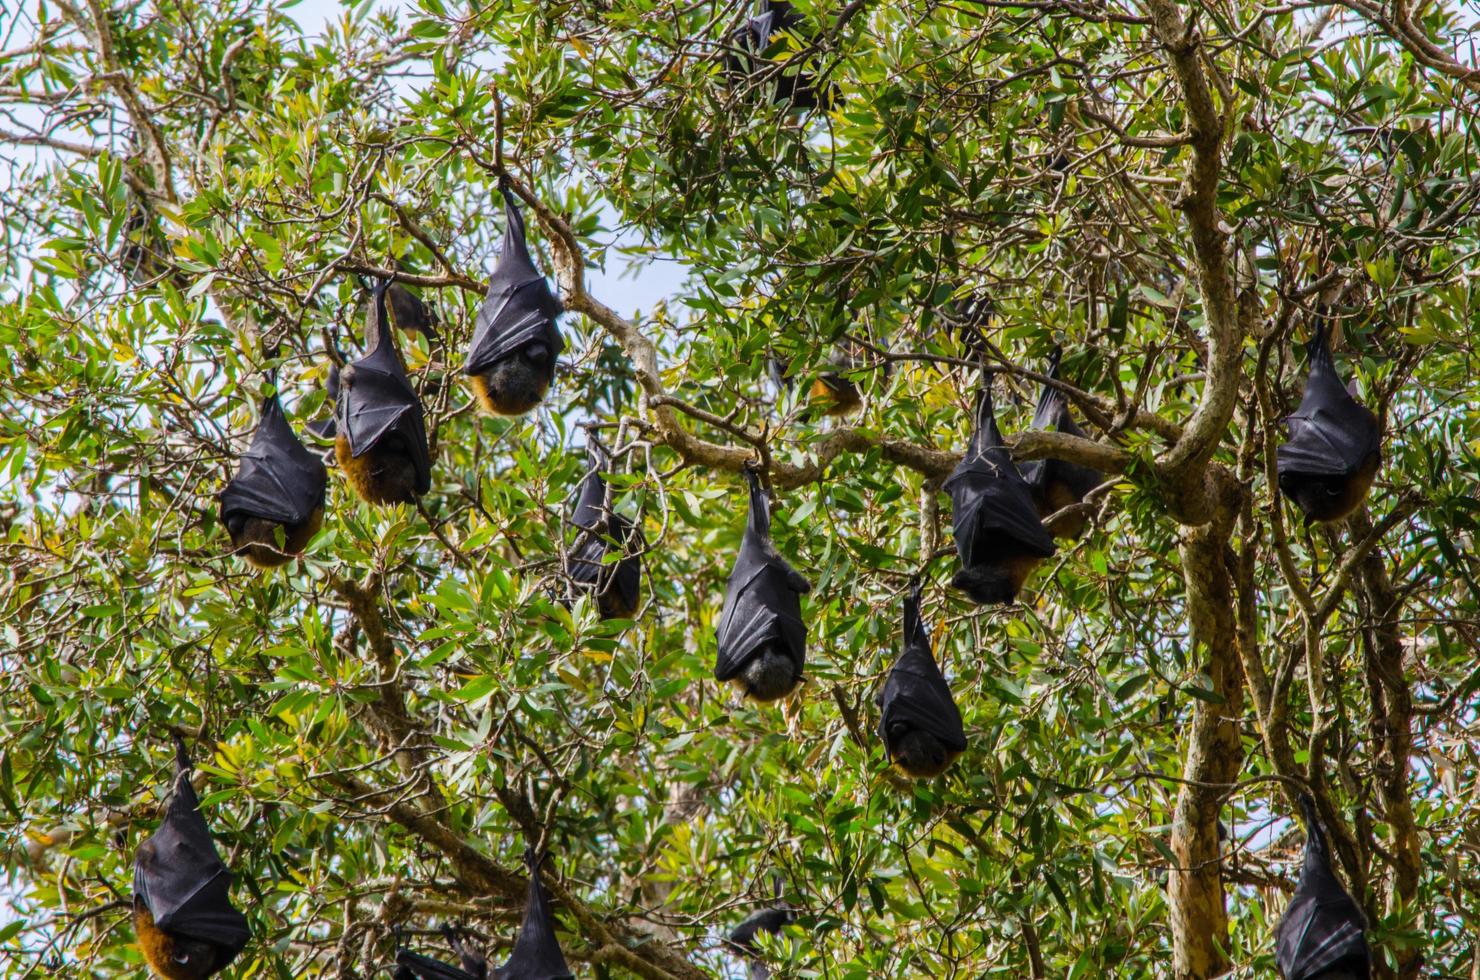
<point x="1172" y="194"/>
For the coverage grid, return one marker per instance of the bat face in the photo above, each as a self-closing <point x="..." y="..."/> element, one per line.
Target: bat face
<point x="381" y="436"/>
<point x="1322" y="934"/>
<point x="919" y="721"/>
<point x="1334" y="450"/>
<point x="515" y="341"/>
<point x="269" y="544"/>
<point x="274" y="505"/>
<point x="537" y="954"/>
<point x="762" y="639"/>
<point x="999" y="536"/>
<point x="186" y="925"/>
<point x="515" y="384"/>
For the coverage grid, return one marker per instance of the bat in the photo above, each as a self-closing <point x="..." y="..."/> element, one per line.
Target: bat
<point x="999" y="535"/>
<point x="741" y="939"/>
<point x="1322" y="935"/>
<point x="274" y="505"/>
<point x="1057" y="484"/>
<point x="381" y="432"/>
<point x="1328" y="464"/>
<point x="511" y="360"/>
<point x="919" y="721"/>
<point x="415" y="966"/>
<point x="537" y="954"/>
<point x="762" y="639"/>
<point x="186" y="925"/>
<point x="616" y="585"/>
<point x="408" y="312"/>
<point x="748" y="43"/>
<point x="832" y="392"/>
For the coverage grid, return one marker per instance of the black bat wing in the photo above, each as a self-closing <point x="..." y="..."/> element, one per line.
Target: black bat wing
<point x="626" y="575"/>
<point x="762" y="603"/>
<point x="182" y="880"/>
<point x="537" y="954"/>
<point x="379" y="402"/>
<point x="519" y="308"/>
<point x="763" y="598"/>
<point x="426" y="968"/>
<point x="588" y="564"/>
<point x="1331" y="433"/>
<point x="989" y="502"/>
<point x="1332" y="439"/>
<point x="742" y="937"/>
<point x="1322" y="927"/>
<point x="917" y="697"/>
<point x="278" y="480"/>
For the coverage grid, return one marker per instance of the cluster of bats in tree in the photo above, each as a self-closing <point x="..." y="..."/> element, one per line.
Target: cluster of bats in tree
<point x="187" y="928"/>
<point x="275" y="505"/>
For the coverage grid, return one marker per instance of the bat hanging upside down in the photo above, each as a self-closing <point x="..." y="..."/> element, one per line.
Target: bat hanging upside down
<point x="1334" y="450"/>
<point x="184" y="921"/>
<point x="1057" y="484"/>
<point x="274" y="505"/>
<point x="919" y="720"/>
<point x="762" y="639"/>
<point x="380" y="427"/>
<point x="617" y="585"/>
<point x="999" y="535"/>
<point x="1322" y="935"/>
<point x="511" y="361"/>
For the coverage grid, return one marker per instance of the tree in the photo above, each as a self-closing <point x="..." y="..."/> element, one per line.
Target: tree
<point x="1173" y="194"/>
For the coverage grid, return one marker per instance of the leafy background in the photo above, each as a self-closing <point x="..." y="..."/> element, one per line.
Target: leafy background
<point x="191" y="186"/>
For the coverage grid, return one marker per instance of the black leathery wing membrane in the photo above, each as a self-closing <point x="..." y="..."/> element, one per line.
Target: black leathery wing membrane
<point x="425" y="968"/>
<point x="741" y="939"/>
<point x="378" y="407"/>
<point x="517" y="318"/>
<point x="537" y="954"/>
<point x="1322" y="931"/>
<point x="278" y="479"/>
<point x="999" y="535"/>
<point x="415" y="966"/>
<point x="182" y="880"/>
<point x="1056" y="483"/>
<point x="762" y="614"/>
<point x="616" y="584"/>
<point x="1334" y="447"/>
<point x="919" y="722"/>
